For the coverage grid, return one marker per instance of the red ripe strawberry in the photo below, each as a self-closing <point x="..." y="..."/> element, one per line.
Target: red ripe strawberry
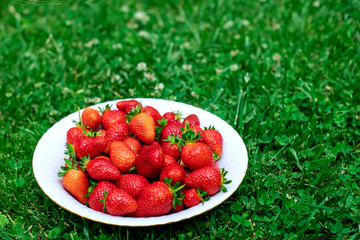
<point x="154" y="113"/>
<point x="196" y="129"/>
<point x="89" y="146"/>
<point x="118" y="202"/>
<point x="213" y="139"/>
<point x="127" y="105"/>
<point x="194" y="197"/>
<point x="74" y="133"/>
<point x="122" y="156"/>
<point x="91" y="117"/>
<point x="168" y="160"/>
<point x="208" y="179"/>
<point x="110" y="117"/>
<point x="172" y="149"/>
<point x="132" y="183"/>
<point x="98" y="194"/>
<point x="171" y="128"/>
<point x="196" y="155"/>
<point x="172" y="117"/>
<point x="178" y="208"/>
<point x="101" y="169"/>
<point x="156" y="200"/>
<point x="101" y="132"/>
<point x="133" y="144"/>
<point x="117" y="132"/>
<point x="174" y="172"/>
<point x="143" y="127"/>
<point x="193" y="119"/>
<point x="150" y="161"/>
<point x="75" y="181"/>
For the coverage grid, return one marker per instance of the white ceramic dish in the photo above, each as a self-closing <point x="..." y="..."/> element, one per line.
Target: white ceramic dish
<point x="49" y="155"/>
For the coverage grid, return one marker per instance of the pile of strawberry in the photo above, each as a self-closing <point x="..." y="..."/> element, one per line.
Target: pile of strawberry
<point x="134" y="161"/>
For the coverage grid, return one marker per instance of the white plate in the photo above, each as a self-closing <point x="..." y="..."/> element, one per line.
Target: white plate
<point x="49" y="155"/>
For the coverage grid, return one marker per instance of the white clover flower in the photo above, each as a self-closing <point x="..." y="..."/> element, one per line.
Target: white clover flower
<point x="150" y="76"/>
<point x="159" y="87"/>
<point x="233" y="53"/>
<point x="264" y="45"/>
<point x="144" y="34"/>
<point x="276" y="26"/>
<point x="276" y="57"/>
<point x="141" y="66"/>
<point x="186" y="45"/>
<point x="117" y="46"/>
<point x="142" y="17"/>
<point x="53" y="112"/>
<point x="92" y="42"/>
<point x="245" y="22"/>
<point x="68" y="22"/>
<point x="228" y="24"/>
<point x="316" y="4"/>
<point x="87" y="100"/>
<point x="234" y="67"/>
<point x="132" y="91"/>
<point x="247" y="77"/>
<point x="96" y="100"/>
<point x="8" y="94"/>
<point x="187" y="67"/>
<point x="194" y="94"/>
<point x="125" y="8"/>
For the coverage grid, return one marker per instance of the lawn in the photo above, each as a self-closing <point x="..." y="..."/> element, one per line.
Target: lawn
<point x="284" y="74"/>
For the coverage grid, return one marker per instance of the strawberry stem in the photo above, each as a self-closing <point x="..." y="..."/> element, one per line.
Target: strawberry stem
<point x="104" y="199"/>
<point x="224" y="181"/>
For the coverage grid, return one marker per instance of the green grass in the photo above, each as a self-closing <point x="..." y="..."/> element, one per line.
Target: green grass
<point x="293" y="96"/>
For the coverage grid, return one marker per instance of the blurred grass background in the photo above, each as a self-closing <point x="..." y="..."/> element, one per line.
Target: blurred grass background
<point x="283" y="73"/>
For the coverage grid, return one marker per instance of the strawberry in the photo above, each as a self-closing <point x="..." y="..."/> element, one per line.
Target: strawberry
<point x="117" y="132"/>
<point x="89" y="145"/>
<point x="174" y="172"/>
<point x="172" y="116"/>
<point x="122" y="156"/>
<point x="75" y="181"/>
<point x="77" y="131"/>
<point x="91" y="117"/>
<point x="157" y="199"/>
<point x="196" y="129"/>
<point x="193" y="119"/>
<point x="154" y="113"/>
<point x="101" y="169"/>
<point x="97" y="195"/>
<point x="168" y="160"/>
<point x="213" y="139"/>
<point x="142" y="126"/>
<point x="150" y="161"/>
<point x="171" y="128"/>
<point x="170" y="147"/>
<point x="127" y="105"/>
<point x="133" y="144"/>
<point x="132" y="183"/>
<point x="118" y="202"/>
<point x="74" y="133"/>
<point x="194" y="197"/>
<point x="110" y="117"/>
<point x="208" y="179"/>
<point x="196" y="155"/>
